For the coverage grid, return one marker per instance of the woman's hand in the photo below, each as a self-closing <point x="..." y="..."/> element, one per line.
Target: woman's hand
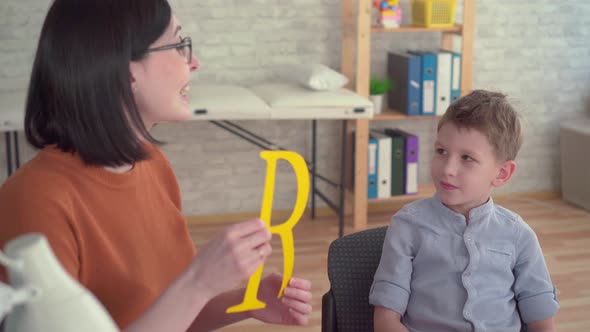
<point x="292" y="309"/>
<point x="231" y="256"/>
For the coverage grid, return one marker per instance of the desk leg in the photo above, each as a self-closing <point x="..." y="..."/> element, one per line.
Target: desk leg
<point x="342" y="179"/>
<point x="7" y="139"/>
<point x="11" y="139"/>
<point x="313" y="165"/>
<point x="16" y="150"/>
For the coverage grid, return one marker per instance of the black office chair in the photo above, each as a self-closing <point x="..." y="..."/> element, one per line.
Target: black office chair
<point x="352" y="262"/>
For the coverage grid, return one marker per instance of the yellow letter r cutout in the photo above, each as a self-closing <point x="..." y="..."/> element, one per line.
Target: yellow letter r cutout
<point x="284" y="230"/>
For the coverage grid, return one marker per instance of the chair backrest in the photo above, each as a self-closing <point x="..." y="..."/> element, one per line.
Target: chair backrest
<point x="352" y="262"/>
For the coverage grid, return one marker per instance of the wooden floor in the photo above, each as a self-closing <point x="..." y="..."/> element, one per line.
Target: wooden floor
<point x="563" y="230"/>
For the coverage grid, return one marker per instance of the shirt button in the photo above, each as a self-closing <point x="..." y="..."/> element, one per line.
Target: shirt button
<point x="468" y="237"/>
<point x="467" y="314"/>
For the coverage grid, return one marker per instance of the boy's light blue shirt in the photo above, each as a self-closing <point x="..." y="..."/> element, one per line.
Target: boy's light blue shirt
<point x="442" y="274"/>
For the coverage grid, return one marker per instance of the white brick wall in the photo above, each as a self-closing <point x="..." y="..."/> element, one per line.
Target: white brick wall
<point x="536" y="52"/>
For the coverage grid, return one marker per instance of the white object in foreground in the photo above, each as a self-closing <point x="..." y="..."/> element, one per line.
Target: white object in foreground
<point x="56" y="301"/>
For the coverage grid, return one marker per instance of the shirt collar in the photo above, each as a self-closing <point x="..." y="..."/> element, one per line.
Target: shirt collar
<point x="482" y="210"/>
<point x="475" y="213"/>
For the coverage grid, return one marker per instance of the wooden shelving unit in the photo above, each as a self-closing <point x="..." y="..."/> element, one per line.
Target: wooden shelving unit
<point x="424" y="190"/>
<point x="394" y="115"/>
<point x="457" y="29"/>
<point x="356" y="58"/>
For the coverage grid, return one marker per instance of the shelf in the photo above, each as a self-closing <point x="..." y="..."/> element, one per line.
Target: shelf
<point x="424" y="190"/>
<point x="357" y="33"/>
<point x="390" y="114"/>
<point x="458" y="29"/>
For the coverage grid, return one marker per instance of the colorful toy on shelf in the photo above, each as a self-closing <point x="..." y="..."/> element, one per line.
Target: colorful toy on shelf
<point x="390" y="13"/>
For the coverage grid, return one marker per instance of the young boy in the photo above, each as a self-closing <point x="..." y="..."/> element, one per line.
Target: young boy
<point x="457" y="261"/>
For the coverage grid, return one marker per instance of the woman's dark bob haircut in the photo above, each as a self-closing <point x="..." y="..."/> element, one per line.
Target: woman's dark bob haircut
<point x="80" y="96"/>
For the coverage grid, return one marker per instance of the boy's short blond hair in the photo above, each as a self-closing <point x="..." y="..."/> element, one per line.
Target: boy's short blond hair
<point x="491" y="114"/>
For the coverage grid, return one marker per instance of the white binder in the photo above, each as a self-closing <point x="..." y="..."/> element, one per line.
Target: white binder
<point x="383" y="164"/>
<point x="443" y="82"/>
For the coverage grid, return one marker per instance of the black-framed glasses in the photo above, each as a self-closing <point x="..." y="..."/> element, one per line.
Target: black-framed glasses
<point x="185" y="47"/>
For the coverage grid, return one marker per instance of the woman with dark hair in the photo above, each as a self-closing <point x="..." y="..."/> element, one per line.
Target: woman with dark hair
<point x="104" y="195"/>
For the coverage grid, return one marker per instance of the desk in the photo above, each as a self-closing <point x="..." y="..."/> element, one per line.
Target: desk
<point x="220" y="103"/>
<point x="11" y="122"/>
<point x="272" y="101"/>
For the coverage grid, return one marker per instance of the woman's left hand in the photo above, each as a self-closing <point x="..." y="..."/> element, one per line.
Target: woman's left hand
<point x="291" y="309"/>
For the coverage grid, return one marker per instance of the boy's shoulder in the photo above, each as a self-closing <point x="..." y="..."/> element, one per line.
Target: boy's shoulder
<point x="506" y="213"/>
<point x="419" y="210"/>
<point x="423" y="207"/>
<point x="509" y="224"/>
<point x="419" y="205"/>
<point x="509" y="217"/>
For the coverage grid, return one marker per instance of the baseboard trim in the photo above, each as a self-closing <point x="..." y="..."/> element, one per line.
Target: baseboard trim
<point x="326" y="212"/>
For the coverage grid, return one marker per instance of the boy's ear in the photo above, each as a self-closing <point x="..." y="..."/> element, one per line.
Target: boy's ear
<point x="507" y="169"/>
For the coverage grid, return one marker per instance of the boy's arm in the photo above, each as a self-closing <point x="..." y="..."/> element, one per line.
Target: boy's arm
<point x="391" y="284"/>
<point x="533" y="288"/>
<point x="386" y="320"/>
<point x="545" y="325"/>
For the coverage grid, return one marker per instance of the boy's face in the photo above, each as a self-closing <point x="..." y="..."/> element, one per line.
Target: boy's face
<point x="465" y="168"/>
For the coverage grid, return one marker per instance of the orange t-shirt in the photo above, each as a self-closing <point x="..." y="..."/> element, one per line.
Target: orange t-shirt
<point x="122" y="236"/>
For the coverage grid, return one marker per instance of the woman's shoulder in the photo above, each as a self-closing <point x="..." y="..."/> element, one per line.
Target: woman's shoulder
<point x="34" y="199"/>
<point x="156" y="156"/>
<point x="159" y="163"/>
<point x="46" y="175"/>
<point x="157" y="174"/>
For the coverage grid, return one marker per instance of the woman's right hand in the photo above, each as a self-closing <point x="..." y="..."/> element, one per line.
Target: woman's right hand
<point x="232" y="256"/>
